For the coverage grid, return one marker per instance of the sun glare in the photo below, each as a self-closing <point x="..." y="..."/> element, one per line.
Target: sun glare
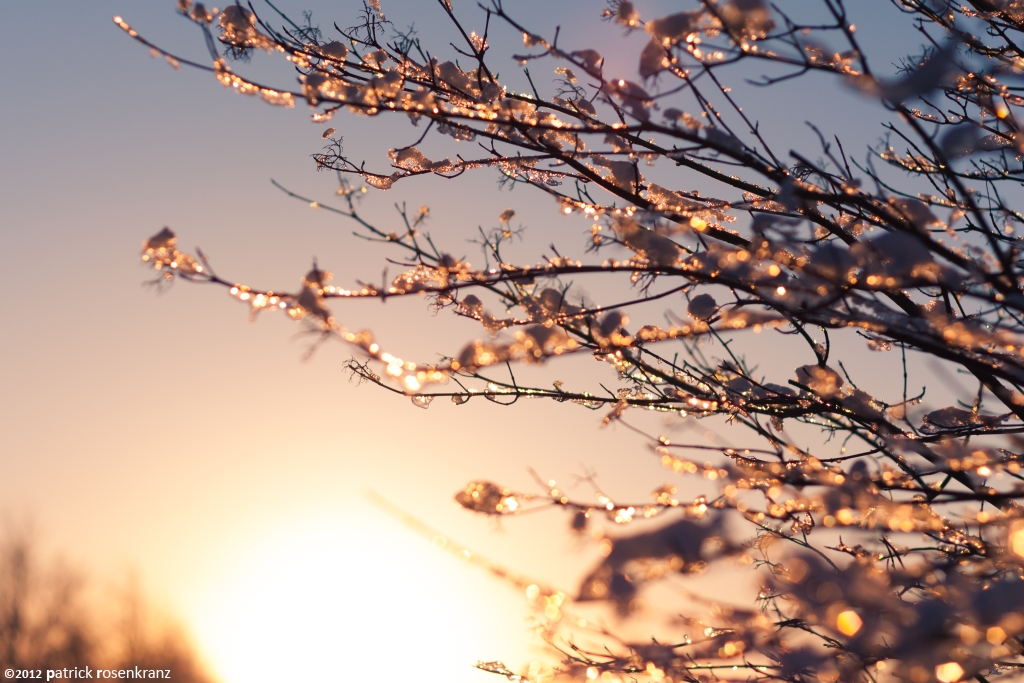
<point x="345" y="600"/>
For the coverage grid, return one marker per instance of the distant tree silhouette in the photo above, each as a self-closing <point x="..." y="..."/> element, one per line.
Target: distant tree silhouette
<point x="909" y="248"/>
<point x="49" y="620"/>
<point x="43" y="624"/>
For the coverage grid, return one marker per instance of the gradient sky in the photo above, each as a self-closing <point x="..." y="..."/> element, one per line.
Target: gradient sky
<point x="163" y="435"/>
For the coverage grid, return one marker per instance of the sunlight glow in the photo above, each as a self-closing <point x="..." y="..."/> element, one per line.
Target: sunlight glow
<point x="332" y="600"/>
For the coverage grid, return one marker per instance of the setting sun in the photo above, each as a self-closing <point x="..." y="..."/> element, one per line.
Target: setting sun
<point x="336" y="598"/>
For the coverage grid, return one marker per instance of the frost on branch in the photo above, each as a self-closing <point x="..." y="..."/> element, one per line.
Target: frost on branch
<point x="741" y="280"/>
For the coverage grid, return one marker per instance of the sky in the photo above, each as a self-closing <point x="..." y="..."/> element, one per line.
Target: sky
<point x="160" y="435"/>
